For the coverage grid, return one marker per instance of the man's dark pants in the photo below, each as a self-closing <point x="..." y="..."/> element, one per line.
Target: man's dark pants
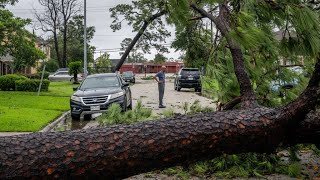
<point x="161" y="87"/>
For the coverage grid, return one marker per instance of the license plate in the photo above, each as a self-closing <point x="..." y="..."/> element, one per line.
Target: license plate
<point x="190" y="78"/>
<point x="95" y="108"/>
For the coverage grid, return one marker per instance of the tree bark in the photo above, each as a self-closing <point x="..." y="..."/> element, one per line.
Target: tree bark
<point x="56" y="46"/>
<point x="136" y="38"/>
<point x="121" y="151"/>
<point x="248" y="97"/>
<point x="64" y="52"/>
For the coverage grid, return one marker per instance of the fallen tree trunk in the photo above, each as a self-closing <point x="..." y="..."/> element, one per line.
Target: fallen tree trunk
<point x="122" y="151"/>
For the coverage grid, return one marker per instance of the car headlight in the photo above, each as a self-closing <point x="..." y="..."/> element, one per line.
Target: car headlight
<point x="76" y="98"/>
<point x="116" y="95"/>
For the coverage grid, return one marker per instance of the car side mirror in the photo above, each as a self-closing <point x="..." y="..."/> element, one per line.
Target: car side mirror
<point x="75" y="88"/>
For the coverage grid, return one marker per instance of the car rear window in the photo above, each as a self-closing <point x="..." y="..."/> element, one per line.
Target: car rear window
<point x="128" y="73"/>
<point x="188" y="72"/>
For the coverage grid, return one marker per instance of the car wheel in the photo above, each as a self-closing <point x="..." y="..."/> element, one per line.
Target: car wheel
<point x="124" y="105"/>
<point x="178" y="88"/>
<point x="87" y="117"/>
<point x="75" y="116"/>
<point x="130" y="105"/>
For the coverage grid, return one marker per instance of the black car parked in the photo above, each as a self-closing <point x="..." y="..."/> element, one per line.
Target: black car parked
<point x="97" y="92"/>
<point x="188" y="78"/>
<point x="129" y="76"/>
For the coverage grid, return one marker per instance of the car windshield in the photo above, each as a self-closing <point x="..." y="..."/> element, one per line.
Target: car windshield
<point x="127" y="74"/>
<point x="188" y="72"/>
<point x="100" y="82"/>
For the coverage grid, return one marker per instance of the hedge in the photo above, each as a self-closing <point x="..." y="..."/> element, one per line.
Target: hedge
<point x="38" y="75"/>
<point x="7" y="82"/>
<point x="32" y="85"/>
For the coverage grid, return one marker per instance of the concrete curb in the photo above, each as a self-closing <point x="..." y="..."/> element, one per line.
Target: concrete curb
<point x="56" y="122"/>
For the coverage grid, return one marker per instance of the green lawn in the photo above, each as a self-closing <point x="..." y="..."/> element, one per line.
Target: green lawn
<point x="27" y="112"/>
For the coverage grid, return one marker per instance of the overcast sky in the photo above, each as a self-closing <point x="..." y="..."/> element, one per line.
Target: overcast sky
<point x="98" y="15"/>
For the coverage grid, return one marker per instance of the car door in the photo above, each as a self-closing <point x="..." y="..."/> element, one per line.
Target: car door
<point x="126" y="90"/>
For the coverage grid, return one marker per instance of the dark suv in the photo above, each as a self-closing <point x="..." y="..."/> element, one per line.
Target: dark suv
<point x="129" y="76"/>
<point x="188" y="78"/>
<point x="97" y="92"/>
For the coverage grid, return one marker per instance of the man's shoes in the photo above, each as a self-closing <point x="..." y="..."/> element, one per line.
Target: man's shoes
<point x="162" y="106"/>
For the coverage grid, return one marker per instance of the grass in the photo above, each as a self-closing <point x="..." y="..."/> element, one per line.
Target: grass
<point x="27" y="112"/>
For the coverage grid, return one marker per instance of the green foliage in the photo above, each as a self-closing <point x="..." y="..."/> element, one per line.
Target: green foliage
<point x="185" y="107"/>
<point x="242" y="165"/>
<point x="51" y="66"/>
<point x="103" y="64"/>
<point x="31" y="85"/>
<point x="147" y="78"/>
<point x="114" y="115"/>
<point x="135" y="14"/>
<point x="74" y="69"/>
<point x="159" y="58"/>
<point x="194" y="39"/>
<point x="197" y="108"/>
<point x="134" y="56"/>
<point x="26" y="85"/>
<point x="168" y="113"/>
<point x="38" y="75"/>
<point x="7" y="82"/>
<point x="294" y="170"/>
<point x="17" y="42"/>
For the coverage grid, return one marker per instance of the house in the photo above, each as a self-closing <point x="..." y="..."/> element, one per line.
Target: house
<point x="6" y="65"/>
<point x="6" y="62"/>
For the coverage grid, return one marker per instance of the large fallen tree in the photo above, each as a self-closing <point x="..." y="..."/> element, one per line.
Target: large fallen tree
<point x="121" y="151"/>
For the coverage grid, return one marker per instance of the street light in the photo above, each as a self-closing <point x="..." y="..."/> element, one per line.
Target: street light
<point x="85" y="68"/>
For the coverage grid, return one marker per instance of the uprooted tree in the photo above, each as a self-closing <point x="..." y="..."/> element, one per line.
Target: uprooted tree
<point x="145" y="18"/>
<point x="121" y="151"/>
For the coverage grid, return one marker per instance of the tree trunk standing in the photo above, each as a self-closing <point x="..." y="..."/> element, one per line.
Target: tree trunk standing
<point x="248" y="97"/>
<point x="64" y="53"/>
<point x="56" y="46"/>
<point x="136" y="38"/>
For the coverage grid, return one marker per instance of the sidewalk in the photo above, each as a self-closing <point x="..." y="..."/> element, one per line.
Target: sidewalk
<point x="4" y="134"/>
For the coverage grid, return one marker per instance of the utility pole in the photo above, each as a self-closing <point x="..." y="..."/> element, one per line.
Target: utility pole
<point x="85" y="68"/>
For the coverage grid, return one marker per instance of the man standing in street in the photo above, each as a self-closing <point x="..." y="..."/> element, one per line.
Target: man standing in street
<point x="160" y="77"/>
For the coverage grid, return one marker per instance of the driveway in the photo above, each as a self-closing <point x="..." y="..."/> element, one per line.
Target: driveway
<point x="147" y="91"/>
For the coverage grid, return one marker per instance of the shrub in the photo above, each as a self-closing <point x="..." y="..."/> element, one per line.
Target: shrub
<point x="38" y="75"/>
<point x="31" y="85"/>
<point x="7" y="82"/>
<point x="44" y="86"/>
<point x="74" y="69"/>
<point x="26" y="85"/>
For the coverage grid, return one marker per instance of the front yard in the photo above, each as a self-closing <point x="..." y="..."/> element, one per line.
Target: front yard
<point x="26" y="112"/>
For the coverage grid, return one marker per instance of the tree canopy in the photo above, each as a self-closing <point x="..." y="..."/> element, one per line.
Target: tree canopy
<point x="16" y="41"/>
